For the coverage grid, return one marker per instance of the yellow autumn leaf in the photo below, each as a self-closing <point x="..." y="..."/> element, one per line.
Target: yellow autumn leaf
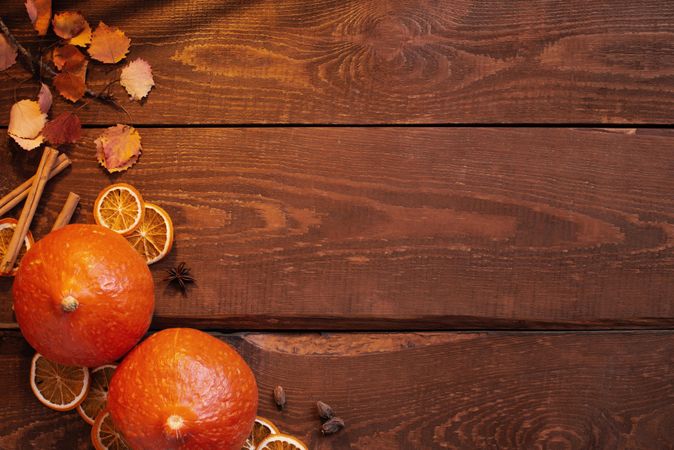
<point x="84" y="38"/>
<point x="109" y="44"/>
<point x="118" y="148"/>
<point x="26" y="121"/>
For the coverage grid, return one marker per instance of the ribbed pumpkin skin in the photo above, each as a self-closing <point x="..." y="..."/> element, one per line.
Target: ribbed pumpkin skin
<point x="186" y="373"/>
<point x="111" y="283"/>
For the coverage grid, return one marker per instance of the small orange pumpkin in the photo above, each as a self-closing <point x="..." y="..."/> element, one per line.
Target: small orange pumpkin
<point x="83" y="296"/>
<point x="183" y="389"/>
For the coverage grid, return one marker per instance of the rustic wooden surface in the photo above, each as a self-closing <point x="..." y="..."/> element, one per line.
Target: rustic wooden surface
<point x="389" y="228"/>
<point x="430" y="391"/>
<point x="369" y="61"/>
<point x="398" y="228"/>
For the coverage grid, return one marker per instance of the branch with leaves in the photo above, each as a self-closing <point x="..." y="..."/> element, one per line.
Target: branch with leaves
<point x="42" y="71"/>
<point x="65" y="70"/>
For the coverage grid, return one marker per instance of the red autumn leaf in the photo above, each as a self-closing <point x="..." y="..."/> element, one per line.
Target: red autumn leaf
<point x="109" y="44"/>
<point x="64" y="129"/>
<point x="118" y="148"/>
<point x="44" y="98"/>
<point x="71" y="84"/>
<point x="39" y="12"/>
<point x="68" y="58"/>
<point x="7" y="53"/>
<point x="68" y="24"/>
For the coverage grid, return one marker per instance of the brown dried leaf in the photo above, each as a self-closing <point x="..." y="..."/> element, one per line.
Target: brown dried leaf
<point x="118" y="148"/>
<point x="72" y="84"/>
<point x="68" y="58"/>
<point x="68" y="24"/>
<point x="137" y="79"/>
<point x="7" y="53"/>
<point x="71" y="81"/>
<point x="66" y="128"/>
<point x="84" y="38"/>
<point x="109" y="44"/>
<point x="39" y="12"/>
<point x="44" y="98"/>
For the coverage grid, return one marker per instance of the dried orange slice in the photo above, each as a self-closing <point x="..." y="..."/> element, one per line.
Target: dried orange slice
<point x="57" y="386"/>
<point x="7" y="227"/>
<point x="153" y="239"/>
<point x="97" y="398"/>
<point x="262" y="428"/>
<point x="281" y="442"/>
<point x="104" y="434"/>
<point x="119" y="207"/>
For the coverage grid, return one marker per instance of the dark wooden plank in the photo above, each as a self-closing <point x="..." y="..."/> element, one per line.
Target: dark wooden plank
<point x="336" y="61"/>
<point x="386" y="228"/>
<point x="424" y="391"/>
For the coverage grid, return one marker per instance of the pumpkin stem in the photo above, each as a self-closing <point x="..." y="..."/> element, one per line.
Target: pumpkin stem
<point x="174" y="426"/>
<point x="69" y="304"/>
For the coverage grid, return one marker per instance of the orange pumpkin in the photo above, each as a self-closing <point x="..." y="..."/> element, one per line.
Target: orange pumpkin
<point x="183" y="389"/>
<point x="83" y="296"/>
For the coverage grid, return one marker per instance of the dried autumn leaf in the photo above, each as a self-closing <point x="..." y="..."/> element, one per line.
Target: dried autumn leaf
<point x="44" y="98"/>
<point x="64" y="129"/>
<point x="39" y="12"/>
<point x="7" y="53"/>
<point x="68" y="24"/>
<point x="26" y="120"/>
<point x="118" y="148"/>
<point x="71" y="81"/>
<point x="29" y="144"/>
<point x="84" y="38"/>
<point x="137" y="79"/>
<point x="71" y="85"/>
<point x="68" y="58"/>
<point x="109" y="44"/>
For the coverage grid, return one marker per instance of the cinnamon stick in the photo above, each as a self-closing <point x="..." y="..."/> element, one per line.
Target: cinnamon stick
<point x="28" y="211"/>
<point x="66" y="213"/>
<point x="12" y="199"/>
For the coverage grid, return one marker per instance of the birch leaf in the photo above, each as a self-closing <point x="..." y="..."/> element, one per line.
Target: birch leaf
<point x="118" y="148"/>
<point x="109" y="44"/>
<point x="137" y="79"/>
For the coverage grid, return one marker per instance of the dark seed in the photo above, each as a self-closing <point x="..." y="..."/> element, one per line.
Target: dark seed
<point x="325" y="412"/>
<point x="332" y="426"/>
<point x="280" y="397"/>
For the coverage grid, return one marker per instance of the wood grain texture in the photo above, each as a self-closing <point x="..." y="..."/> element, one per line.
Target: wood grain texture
<point x="368" y="61"/>
<point x="424" y="391"/>
<point x="387" y="228"/>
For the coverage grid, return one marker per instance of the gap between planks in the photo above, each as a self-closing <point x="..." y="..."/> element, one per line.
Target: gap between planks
<point x="588" y="126"/>
<point x="15" y="327"/>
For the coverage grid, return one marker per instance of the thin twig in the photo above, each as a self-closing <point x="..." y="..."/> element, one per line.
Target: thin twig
<point x="37" y="68"/>
<point x="12" y="40"/>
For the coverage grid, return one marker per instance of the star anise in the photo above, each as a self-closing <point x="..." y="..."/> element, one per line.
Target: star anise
<point x="180" y="275"/>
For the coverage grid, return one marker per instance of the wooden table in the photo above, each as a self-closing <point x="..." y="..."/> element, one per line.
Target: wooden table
<point x="453" y="221"/>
